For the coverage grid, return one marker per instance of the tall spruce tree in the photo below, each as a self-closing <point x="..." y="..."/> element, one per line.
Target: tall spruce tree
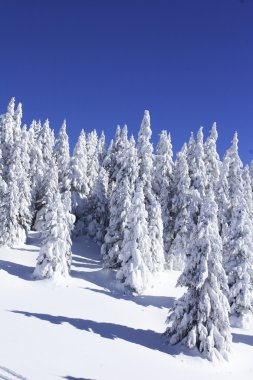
<point x="54" y="258"/>
<point x="177" y="227"/>
<point x="200" y="317"/>
<point x="155" y="225"/>
<point x="135" y="255"/>
<point x="237" y="238"/>
<point x="120" y="202"/>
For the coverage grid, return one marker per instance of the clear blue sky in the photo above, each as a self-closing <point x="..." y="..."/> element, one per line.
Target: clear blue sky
<point x="102" y="62"/>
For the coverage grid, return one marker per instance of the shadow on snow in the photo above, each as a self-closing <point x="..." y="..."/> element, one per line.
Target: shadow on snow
<point x="18" y="270"/>
<point x="241" y="338"/>
<point x="143" y="300"/>
<point x="146" y="338"/>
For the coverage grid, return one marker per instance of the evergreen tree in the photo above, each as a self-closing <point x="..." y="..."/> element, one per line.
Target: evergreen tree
<point x="92" y="159"/>
<point x="136" y="248"/>
<point x="62" y="158"/>
<point x="200" y="317"/>
<point x="163" y="165"/>
<point x="177" y="227"/>
<point x="79" y="180"/>
<point x="238" y="238"/>
<point x="120" y="202"/>
<point x="54" y="258"/>
<point x="37" y="167"/>
<point x="146" y="162"/>
<point x="101" y="149"/>
<point x="212" y="160"/>
<point x="98" y="208"/>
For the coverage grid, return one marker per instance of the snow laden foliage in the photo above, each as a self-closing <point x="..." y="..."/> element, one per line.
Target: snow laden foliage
<point x="248" y="190"/>
<point x="153" y="207"/>
<point x="15" y="181"/>
<point x="37" y="167"/>
<point x="79" y="179"/>
<point x="54" y="258"/>
<point x="144" y="210"/>
<point x="238" y="237"/>
<point x="162" y="183"/>
<point x="112" y="162"/>
<point x="92" y="159"/>
<point x="62" y="158"/>
<point x="98" y="208"/>
<point x="197" y="174"/>
<point x="200" y="318"/>
<point x="163" y="165"/>
<point x="135" y="272"/>
<point x="177" y="227"/>
<point x="212" y="160"/>
<point x="120" y="203"/>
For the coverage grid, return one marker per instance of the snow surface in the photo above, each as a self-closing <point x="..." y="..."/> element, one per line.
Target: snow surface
<point x="88" y="329"/>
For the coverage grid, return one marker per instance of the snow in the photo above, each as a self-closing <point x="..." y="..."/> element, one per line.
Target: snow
<point x="88" y="329"/>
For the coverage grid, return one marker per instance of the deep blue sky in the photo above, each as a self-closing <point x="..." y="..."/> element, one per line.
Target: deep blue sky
<point x="102" y="62"/>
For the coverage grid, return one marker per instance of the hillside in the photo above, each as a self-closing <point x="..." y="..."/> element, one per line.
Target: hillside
<point x="88" y="329"/>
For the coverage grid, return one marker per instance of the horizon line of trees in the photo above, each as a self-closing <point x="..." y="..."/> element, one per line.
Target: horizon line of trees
<point x="147" y="211"/>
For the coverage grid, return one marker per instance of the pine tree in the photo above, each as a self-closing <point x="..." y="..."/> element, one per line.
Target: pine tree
<point x="238" y="238"/>
<point x="163" y="165"/>
<point x="111" y="162"/>
<point x="248" y="194"/>
<point x="37" y="167"/>
<point x="7" y="141"/>
<point x="212" y="160"/>
<point x="101" y="149"/>
<point x="98" y="208"/>
<point x="79" y="180"/>
<point x="197" y="174"/>
<point x="54" y="258"/>
<point x="120" y="202"/>
<point x="92" y="160"/>
<point x="62" y="158"/>
<point x="177" y="228"/>
<point x="200" y="317"/>
<point x="136" y="248"/>
<point x="155" y="225"/>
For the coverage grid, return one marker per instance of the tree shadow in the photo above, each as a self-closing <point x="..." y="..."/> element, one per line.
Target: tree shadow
<point x="82" y="259"/>
<point x="9" y="374"/>
<point x="18" y="270"/>
<point x="143" y="300"/>
<point x="241" y="338"/>
<point x="84" y="262"/>
<point x="83" y="265"/>
<point x="34" y="239"/>
<point x="104" y="278"/>
<point x="145" y="338"/>
<point x="25" y="249"/>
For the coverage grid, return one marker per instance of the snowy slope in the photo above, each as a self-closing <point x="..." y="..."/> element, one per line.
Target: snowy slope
<point x="88" y="329"/>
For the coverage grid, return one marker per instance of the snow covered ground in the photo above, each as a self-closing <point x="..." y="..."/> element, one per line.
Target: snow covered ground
<point x="88" y="329"/>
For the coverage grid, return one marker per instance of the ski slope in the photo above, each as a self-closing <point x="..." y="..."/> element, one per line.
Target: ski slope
<point x="88" y="329"/>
